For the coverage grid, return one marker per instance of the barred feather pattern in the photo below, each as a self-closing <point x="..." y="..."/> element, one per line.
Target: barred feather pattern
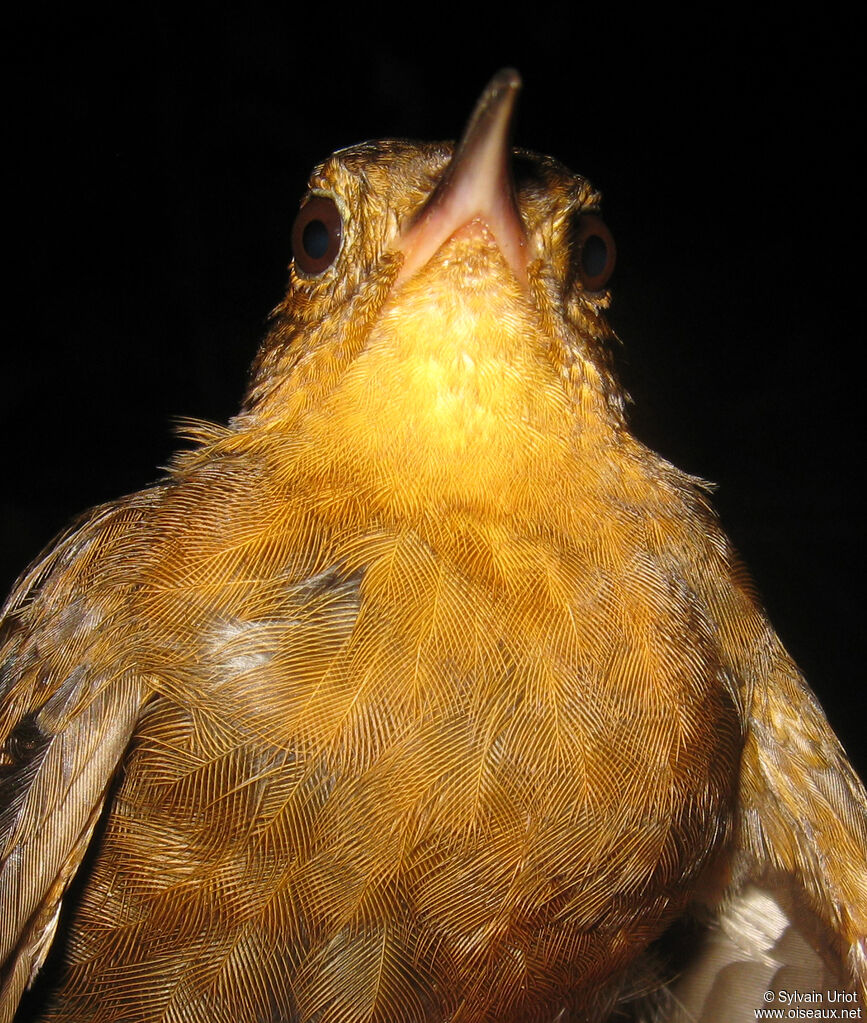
<point x="423" y="692"/>
<point x="376" y="813"/>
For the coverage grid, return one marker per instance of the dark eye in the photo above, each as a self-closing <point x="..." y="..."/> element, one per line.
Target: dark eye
<point x="594" y="251"/>
<point x="316" y="235"/>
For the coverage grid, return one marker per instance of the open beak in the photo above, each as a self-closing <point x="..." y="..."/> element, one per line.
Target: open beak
<point x="476" y="186"/>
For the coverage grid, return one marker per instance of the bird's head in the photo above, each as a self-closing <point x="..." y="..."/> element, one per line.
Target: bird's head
<point x="444" y="320"/>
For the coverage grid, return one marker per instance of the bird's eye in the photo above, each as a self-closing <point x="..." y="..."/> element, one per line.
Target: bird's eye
<point x="317" y="235"/>
<point x="594" y="251"/>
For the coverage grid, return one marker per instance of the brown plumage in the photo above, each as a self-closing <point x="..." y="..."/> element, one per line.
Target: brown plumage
<point x="422" y="691"/>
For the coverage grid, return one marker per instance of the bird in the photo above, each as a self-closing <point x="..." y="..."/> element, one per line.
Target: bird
<point x="422" y="691"/>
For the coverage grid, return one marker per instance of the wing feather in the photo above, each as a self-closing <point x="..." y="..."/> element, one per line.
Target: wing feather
<point x="66" y="716"/>
<point x="791" y="922"/>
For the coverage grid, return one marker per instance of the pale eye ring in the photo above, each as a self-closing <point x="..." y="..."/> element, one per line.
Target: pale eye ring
<point x="317" y="235"/>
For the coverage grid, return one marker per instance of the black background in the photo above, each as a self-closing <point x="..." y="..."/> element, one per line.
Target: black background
<point x="155" y="169"/>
